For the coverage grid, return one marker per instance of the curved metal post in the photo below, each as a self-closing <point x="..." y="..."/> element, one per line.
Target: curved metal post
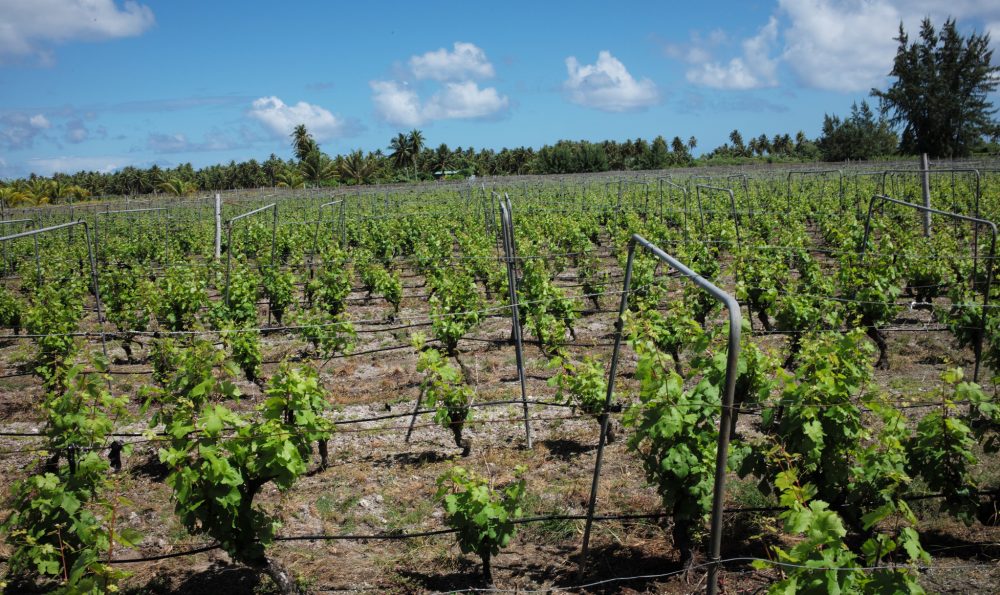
<point x="817" y="172"/>
<point x="745" y="184"/>
<point x="38" y="268"/>
<point x="319" y="223"/>
<point x="732" y="371"/>
<point x="862" y="249"/>
<point x="686" y="193"/>
<point x="97" y="220"/>
<point x="732" y="204"/>
<point x="229" y="240"/>
<point x="90" y="258"/>
<point x="952" y="171"/>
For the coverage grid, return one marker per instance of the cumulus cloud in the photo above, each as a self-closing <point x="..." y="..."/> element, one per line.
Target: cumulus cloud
<point x="465" y="100"/>
<point x="458" y="96"/>
<point x="19" y="130"/>
<point x="607" y="85"/>
<point x="466" y="61"/>
<point x="840" y="45"/>
<point x="398" y="104"/>
<point x="280" y="118"/>
<point x="847" y="45"/>
<point x="754" y="68"/>
<point x="30" y="27"/>
<point x="39" y="121"/>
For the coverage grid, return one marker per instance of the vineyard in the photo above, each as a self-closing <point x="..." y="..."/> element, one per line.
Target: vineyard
<point x="776" y="381"/>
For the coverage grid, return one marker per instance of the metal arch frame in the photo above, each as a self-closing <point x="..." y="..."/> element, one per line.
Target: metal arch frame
<point x="93" y="267"/>
<point x="166" y="228"/>
<point x="732" y="371"/>
<point x="952" y="171"/>
<point x="856" y="176"/>
<point x="38" y="265"/>
<point x="687" y="194"/>
<point x="745" y="184"/>
<point x="510" y="258"/>
<point x="319" y="222"/>
<point x="969" y="170"/>
<point x="840" y="175"/>
<point x="732" y="203"/>
<point x="862" y="249"/>
<point x="229" y="240"/>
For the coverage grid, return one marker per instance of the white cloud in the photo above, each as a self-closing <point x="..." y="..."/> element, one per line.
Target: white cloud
<point x="279" y="118"/>
<point x="19" y="130"/>
<point x="840" y="45"/>
<point x="753" y="69"/>
<point x="457" y="97"/>
<point x="463" y="101"/>
<point x="28" y="27"/>
<point x="607" y="85"/>
<point x="467" y="61"/>
<point x="397" y="104"/>
<point x="834" y="45"/>
<point x="39" y="121"/>
<point x="848" y="45"/>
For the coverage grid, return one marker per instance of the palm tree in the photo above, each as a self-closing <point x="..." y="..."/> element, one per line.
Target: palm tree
<point x="177" y="187"/>
<point x="401" y="155"/>
<point x="41" y="190"/>
<point x="692" y="143"/>
<point x="316" y="167"/>
<point x="302" y="142"/>
<point x="442" y="158"/>
<point x="358" y="168"/>
<point x="129" y="178"/>
<point x="11" y="196"/>
<point x="416" y="142"/>
<point x="737" y="139"/>
<point x="290" y="178"/>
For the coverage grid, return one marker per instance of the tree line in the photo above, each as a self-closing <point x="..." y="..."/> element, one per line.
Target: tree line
<point x="938" y="103"/>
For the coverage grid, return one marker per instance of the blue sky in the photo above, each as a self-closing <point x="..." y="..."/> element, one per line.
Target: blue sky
<point x="101" y="84"/>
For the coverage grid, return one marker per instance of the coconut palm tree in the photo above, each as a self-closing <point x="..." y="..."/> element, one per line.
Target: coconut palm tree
<point x="177" y="187"/>
<point x="10" y="196"/>
<point x="317" y="168"/>
<point x="416" y="142"/>
<point x="442" y="158"/>
<point x="402" y="155"/>
<point x="290" y="178"/>
<point x="78" y="192"/>
<point x="357" y="167"/>
<point x="302" y="142"/>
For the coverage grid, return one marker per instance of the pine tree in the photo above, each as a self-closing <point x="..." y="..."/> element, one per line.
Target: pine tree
<point x="940" y="92"/>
